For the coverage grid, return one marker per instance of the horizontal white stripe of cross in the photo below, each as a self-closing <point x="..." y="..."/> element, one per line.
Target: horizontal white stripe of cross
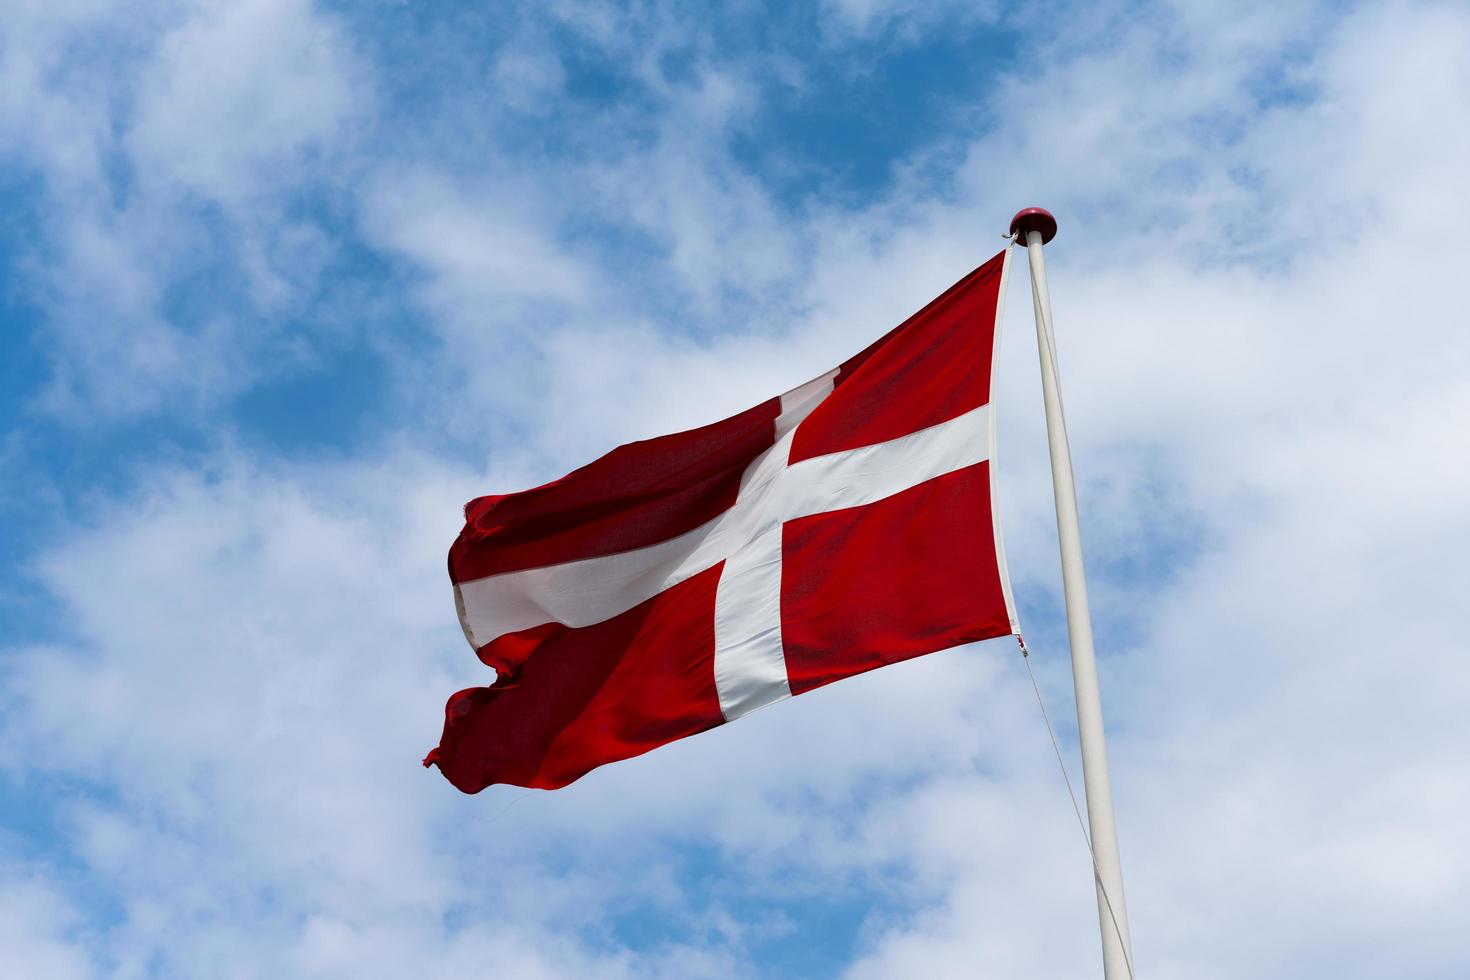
<point x="750" y="664"/>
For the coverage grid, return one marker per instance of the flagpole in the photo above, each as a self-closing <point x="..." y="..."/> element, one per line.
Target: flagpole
<point x="1034" y="227"/>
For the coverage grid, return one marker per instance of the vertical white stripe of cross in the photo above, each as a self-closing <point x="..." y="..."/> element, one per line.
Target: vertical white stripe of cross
<point x="750" y="664"/>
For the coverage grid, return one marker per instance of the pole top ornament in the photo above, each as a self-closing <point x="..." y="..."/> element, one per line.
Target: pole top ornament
<point x="1034" y="219"/>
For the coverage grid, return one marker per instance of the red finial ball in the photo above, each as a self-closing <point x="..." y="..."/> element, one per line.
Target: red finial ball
<point x="1034" y="219"/>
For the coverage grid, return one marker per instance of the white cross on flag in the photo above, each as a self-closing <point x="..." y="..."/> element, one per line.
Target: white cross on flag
<point x="678" y="583"/>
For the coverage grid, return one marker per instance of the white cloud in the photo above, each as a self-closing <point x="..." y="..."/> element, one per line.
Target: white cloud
<point x="529" y="74"/>
<point x="907" y="20"/>
<point x="38" y="928"/>
<point x="481" y="245"/>
<point x="168" y="141"/>
<point x="237" y="93"/>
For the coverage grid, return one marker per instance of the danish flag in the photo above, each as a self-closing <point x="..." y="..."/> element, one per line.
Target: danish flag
<point x="681" y="582"/>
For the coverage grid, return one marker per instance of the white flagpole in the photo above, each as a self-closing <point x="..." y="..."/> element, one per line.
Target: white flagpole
<point x="1034" y="227"/>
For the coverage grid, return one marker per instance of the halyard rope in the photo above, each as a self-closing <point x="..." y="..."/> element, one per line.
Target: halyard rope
<point x="1081" y="823"/>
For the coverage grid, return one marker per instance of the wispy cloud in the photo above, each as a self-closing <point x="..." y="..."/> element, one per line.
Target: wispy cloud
<point x="173" y="147"/>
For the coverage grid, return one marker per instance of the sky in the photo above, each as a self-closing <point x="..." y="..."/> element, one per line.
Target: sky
<point x="284" y="283"/>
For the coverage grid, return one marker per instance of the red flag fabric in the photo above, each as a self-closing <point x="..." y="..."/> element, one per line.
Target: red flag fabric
<point x="681" y="582"/>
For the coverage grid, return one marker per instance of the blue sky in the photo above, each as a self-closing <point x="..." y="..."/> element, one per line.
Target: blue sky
<point x="283" y="283"/>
